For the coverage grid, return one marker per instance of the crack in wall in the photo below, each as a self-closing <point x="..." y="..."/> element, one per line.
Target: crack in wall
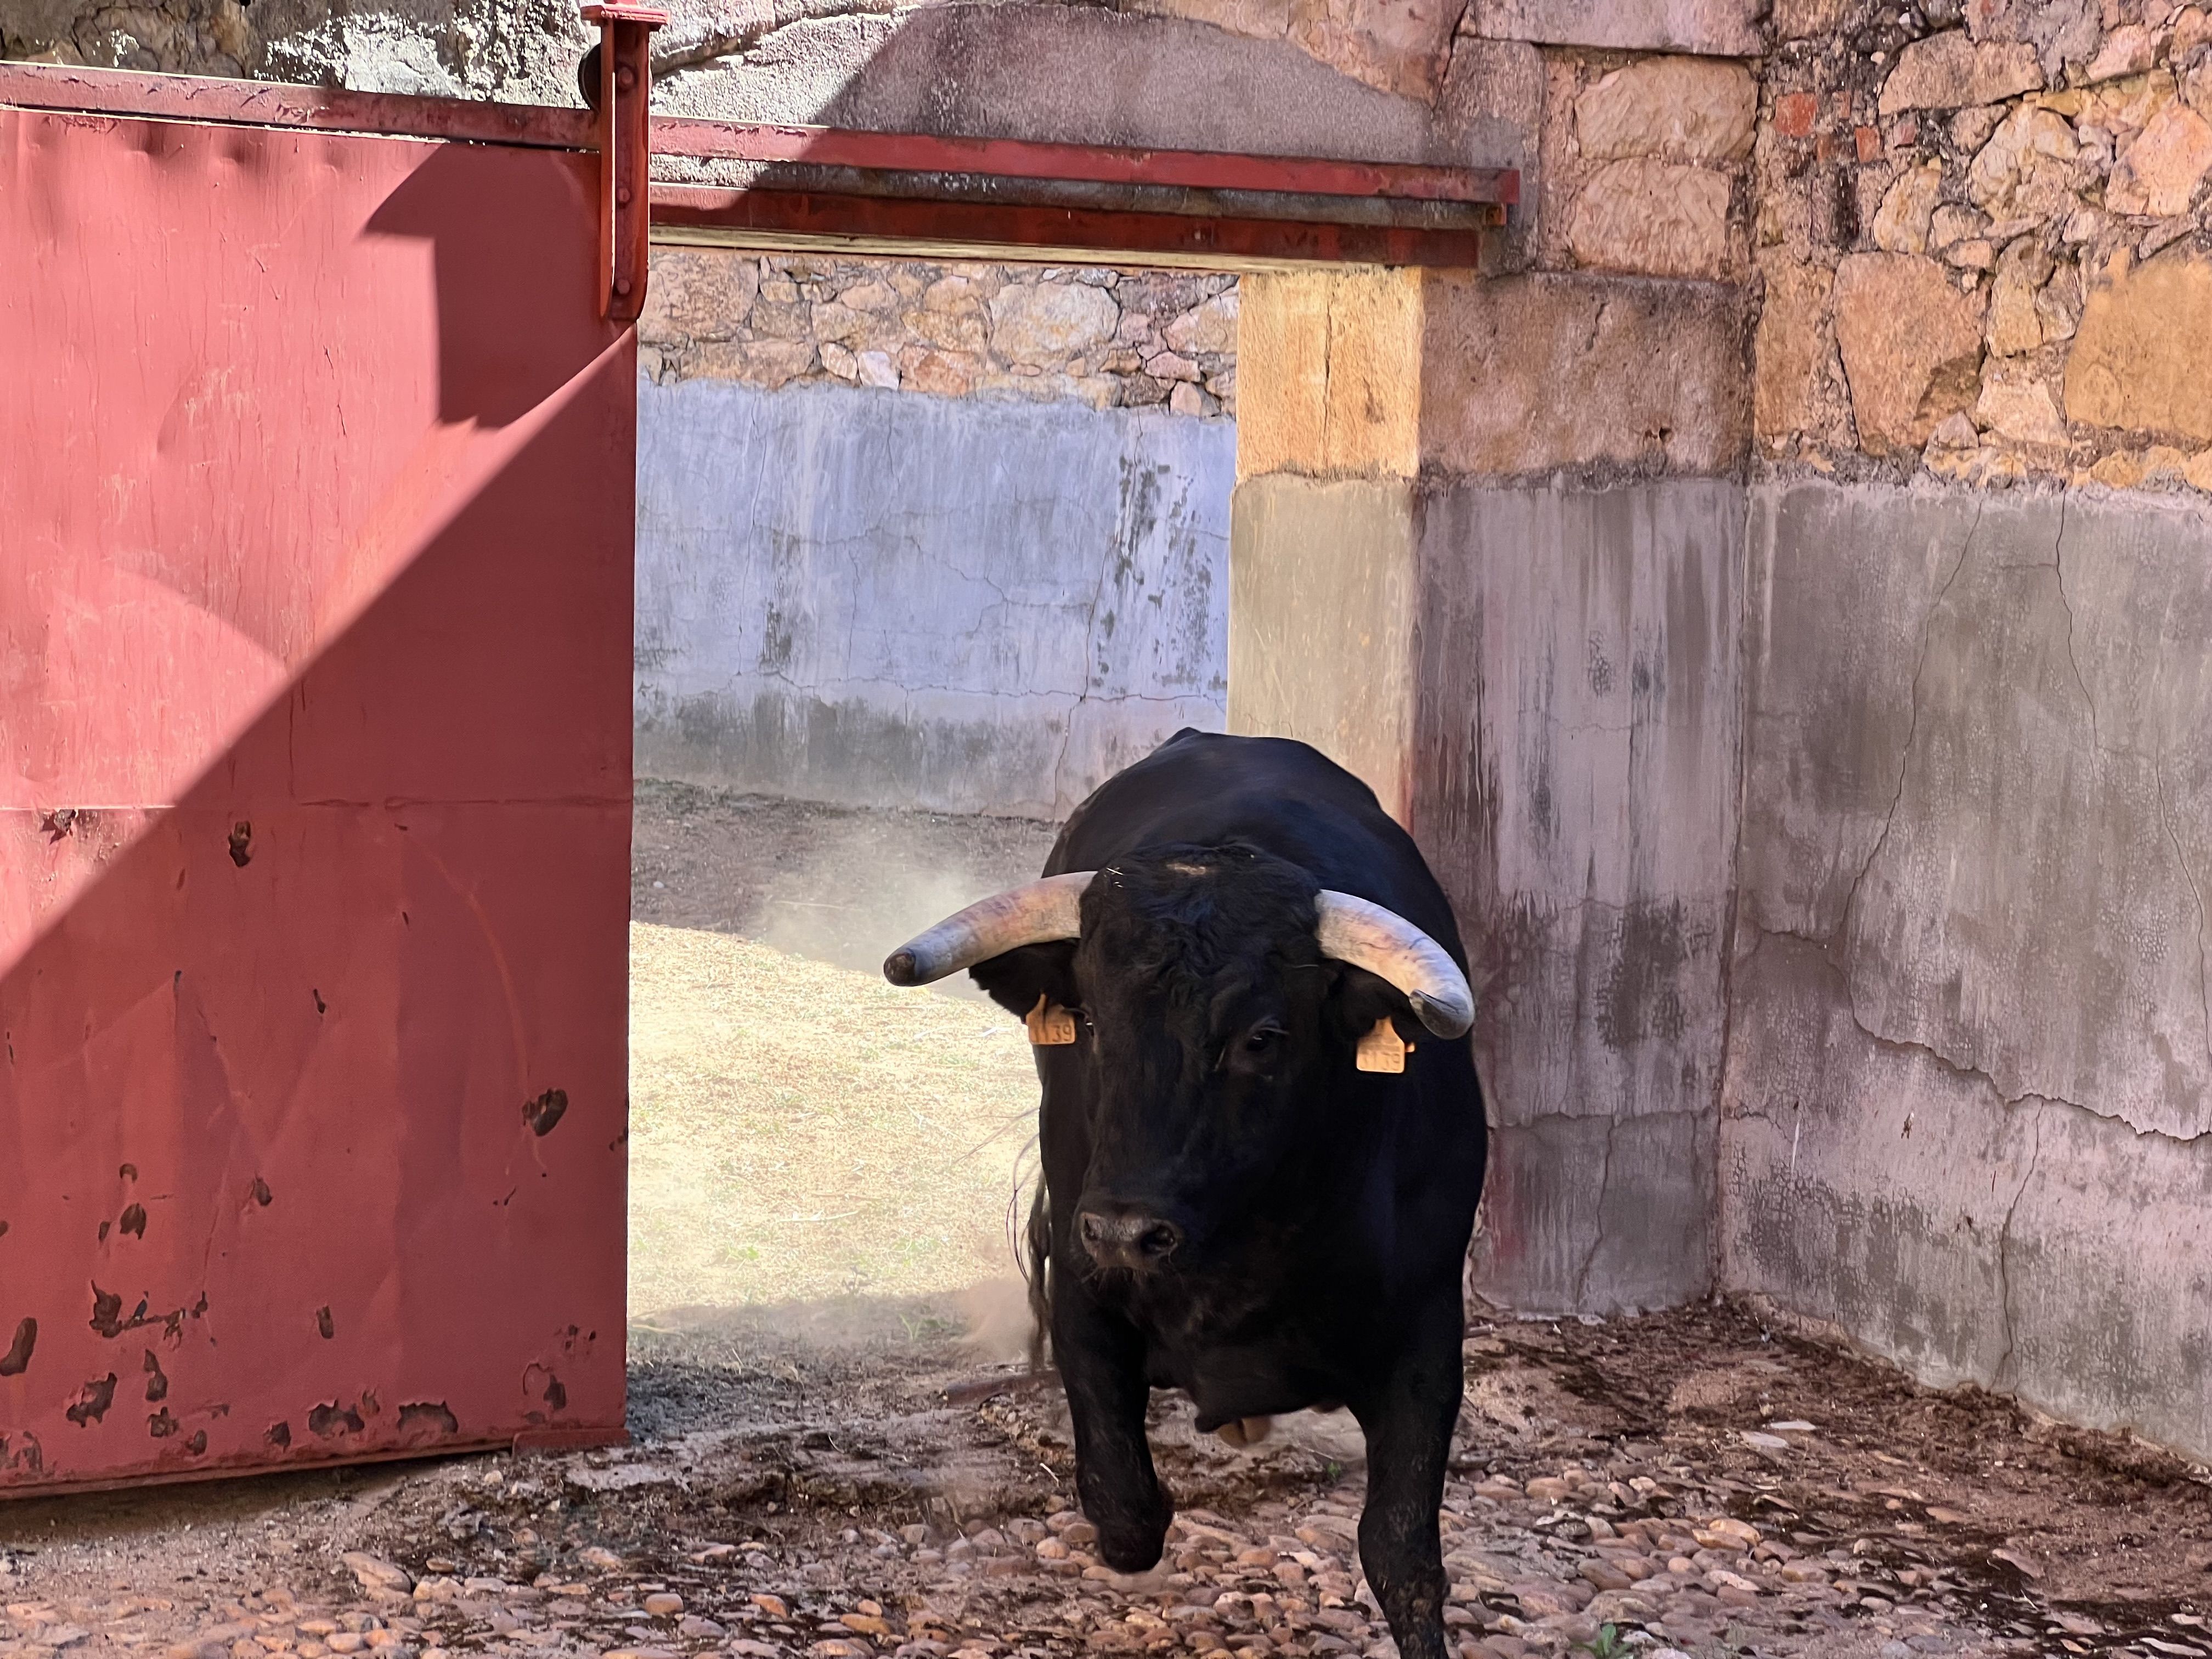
<point x="1972" y="1073"/>
<point x="2058" y="568"/>
<point x="1597" y="1233"/>
<point x="1912" y="720"/>
<point x="2004" y="1259"/>
<point x="2195" y="888"/>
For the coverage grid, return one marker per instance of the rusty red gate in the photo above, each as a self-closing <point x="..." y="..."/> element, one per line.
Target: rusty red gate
<point x="317" y="488"/>
<point x="318" y="461"/>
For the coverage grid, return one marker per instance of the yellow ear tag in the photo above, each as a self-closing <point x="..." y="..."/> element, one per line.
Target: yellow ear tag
<point x="1381" y="1049"/>
<point x="1051" y="1026"/>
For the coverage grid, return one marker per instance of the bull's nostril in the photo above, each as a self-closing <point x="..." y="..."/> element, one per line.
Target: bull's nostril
<point x="1127" y="1240"/>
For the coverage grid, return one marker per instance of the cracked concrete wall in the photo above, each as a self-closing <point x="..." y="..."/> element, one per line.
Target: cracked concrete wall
<point x="1537" y="674"/>
<point x="1575" y="786"/>
<point x="1965" y="1117"/>
<point x="962" y="605"/>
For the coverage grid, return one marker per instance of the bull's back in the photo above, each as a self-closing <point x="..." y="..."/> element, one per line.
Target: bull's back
<point x="1281" y="795"/>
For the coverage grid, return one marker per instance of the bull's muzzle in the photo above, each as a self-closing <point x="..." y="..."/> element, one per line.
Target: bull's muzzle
<point x="1115" y="1235"/>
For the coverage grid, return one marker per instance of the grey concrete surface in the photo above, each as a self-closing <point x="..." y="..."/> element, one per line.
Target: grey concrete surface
<point x="1965" y="1117"/>
<point x="1047" y="71"/>
<point x="1575" y="786"/>
<point x="962" y="605"/>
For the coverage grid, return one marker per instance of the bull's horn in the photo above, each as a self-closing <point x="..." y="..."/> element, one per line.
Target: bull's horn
<point x="1390" y="947"/>
<point x="1043" y="910"/>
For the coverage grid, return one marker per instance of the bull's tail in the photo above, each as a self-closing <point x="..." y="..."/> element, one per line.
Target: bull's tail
<point x="1036" y="1268"/>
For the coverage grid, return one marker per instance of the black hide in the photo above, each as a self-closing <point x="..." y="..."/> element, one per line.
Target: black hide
<point x="1270" y="1228"/>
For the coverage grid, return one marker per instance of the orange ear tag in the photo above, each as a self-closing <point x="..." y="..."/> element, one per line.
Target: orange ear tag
<point x="1381" y="1049"/>
<point x="1051" y="1026"/>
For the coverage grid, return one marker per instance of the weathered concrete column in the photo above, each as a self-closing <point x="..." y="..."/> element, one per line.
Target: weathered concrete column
<point x="1485" y="551"/>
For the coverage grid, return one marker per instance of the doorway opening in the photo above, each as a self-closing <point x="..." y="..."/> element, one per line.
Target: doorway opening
<point x="927" y="549"/>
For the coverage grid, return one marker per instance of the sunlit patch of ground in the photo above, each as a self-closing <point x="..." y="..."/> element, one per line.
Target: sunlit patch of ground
<point x="800" y="1131"/>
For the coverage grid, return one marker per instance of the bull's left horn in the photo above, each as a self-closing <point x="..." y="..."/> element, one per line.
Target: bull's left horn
<point x="1043" y="910"/>
<point x="1390" y="947"/>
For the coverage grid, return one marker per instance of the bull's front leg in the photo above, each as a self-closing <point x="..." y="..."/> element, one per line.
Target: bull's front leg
<point x="1102" y="1363"/>
<point x="1408" y="1423"/>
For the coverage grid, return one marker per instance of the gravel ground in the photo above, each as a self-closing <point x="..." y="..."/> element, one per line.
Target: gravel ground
<point x="829" y="1463"/>
<point x="1645" y="1486"/>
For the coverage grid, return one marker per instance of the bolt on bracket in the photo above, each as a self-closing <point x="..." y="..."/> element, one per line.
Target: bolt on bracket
<point x="622" y="73"/>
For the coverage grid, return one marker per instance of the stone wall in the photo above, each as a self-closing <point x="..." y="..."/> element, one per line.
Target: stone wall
<point x="1965" y="1118"/>
<point x="985" y="598"/>
<point x="1112" y="339"/>
<point x="1509" y="509"/>
<point x="519" y="51"/>
<point x="1982" y="243"/>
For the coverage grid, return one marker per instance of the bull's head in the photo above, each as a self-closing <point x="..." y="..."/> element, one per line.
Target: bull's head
<point x="1217" y="993"/>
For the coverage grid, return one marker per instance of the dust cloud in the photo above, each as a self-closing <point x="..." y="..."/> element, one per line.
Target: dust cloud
<point x="811" y="1148"/>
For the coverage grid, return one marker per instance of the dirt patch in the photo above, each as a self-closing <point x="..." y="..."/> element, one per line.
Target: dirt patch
<point x="800" y="1131"/>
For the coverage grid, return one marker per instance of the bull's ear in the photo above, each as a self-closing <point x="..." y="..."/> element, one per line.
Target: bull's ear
<point x="1015" y="979"/>
<point x="1361" y="997"/>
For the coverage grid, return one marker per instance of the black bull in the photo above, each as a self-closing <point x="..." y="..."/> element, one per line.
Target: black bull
<point x="1230" y="1206"/>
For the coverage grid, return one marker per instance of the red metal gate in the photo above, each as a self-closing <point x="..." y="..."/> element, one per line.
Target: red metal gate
<point x="317" y="460"/>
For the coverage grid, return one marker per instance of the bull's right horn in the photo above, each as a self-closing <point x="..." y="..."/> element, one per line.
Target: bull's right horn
<point x="1043" y="911"/>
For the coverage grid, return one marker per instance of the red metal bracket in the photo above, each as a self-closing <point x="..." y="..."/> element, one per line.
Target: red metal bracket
<point x="625" y="148"/>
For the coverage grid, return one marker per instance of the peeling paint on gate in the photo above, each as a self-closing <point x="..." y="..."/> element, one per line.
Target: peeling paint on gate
<point x="314" y="776"/>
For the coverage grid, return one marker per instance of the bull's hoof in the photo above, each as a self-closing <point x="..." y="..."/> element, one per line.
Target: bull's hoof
<point x="1129" y="1558"/>
<point x="1246" y="1431"/>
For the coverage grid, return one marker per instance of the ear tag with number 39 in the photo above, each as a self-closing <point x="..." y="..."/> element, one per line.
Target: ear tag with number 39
<point x="1051" y="1026"/>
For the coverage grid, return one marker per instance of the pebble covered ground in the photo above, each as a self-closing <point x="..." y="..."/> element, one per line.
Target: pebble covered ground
<point x="1688" y="1483"/>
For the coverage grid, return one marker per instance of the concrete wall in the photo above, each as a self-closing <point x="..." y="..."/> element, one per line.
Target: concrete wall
<point x="1575" y="777"/>
<point x="1488" y="553"/>
<point x="1829" y="821"/>
<point x="965" y="604"/>
<point x="1968" y="1118"/>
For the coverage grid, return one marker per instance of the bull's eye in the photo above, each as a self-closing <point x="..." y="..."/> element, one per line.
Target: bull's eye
<point x="1263" y="1039"/>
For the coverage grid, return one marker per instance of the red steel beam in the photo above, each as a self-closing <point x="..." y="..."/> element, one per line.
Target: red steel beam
<point x="272" y="104"/>
<point x="700" y="214"/>
<point x="1017" y="158"/>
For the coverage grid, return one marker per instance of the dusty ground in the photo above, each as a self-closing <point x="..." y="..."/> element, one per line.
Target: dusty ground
<point x="844" y="1475"/>
<point x="800" y="1131"/>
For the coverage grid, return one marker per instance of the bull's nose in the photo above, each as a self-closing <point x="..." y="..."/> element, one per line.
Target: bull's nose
<point x="1128" y="1238"/>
